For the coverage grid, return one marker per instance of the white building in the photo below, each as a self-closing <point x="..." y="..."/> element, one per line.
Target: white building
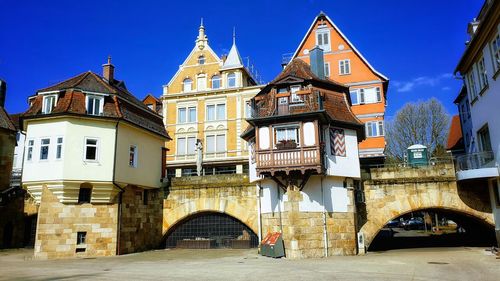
<point x="480" y="69"/>
<point x="93" y="154"/>
<point x="305" y="160"/>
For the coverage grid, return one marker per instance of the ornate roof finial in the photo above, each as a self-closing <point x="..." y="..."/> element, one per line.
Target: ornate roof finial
<point x="201" y="24"/>
<point x="234" y="35"/>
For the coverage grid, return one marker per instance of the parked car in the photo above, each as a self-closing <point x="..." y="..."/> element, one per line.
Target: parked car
<point x="393" y="224"/>
<point x="413" y="223"/>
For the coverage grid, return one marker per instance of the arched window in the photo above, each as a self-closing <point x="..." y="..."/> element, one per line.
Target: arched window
<point x="187" y="85"/>
<point x="201" y="59"/>
<point x="231" y="80"/>
<point x="216" y="82"/>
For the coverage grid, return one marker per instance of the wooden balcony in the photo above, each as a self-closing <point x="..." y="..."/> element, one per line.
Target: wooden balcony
<point x="286" y="160"/>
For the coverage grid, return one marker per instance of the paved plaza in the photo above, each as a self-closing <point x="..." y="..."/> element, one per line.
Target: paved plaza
<point x="459" y="263"/>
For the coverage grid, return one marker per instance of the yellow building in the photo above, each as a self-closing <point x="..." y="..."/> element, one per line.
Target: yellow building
<point x="207" y="101"/>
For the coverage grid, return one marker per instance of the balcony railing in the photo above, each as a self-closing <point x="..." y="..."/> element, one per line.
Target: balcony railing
<point x="308" y="100"/>
<point x="301" y="158"/>
<point x="479" y="160"/>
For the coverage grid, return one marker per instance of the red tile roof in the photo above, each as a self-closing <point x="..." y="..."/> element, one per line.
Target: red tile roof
<point x="455" y="133"/>
<point x="119" y="102"/>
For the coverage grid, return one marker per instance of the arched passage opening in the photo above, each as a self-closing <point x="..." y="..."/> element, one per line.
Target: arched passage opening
<point x="433" y="227"/>
<point x="207" y="230"/>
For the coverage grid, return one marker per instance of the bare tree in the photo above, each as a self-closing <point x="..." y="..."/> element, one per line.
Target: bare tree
<point x="423" y="122"/>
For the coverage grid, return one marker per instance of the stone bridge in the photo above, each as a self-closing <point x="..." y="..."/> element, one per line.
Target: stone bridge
<point x="395" y="191"/>
<point x="231" y="195"/>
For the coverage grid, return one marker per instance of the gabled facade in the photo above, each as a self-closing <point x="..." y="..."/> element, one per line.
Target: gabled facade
<point x="480" y="70"/>
<point x="93" y="162"/>
<point x="368" y="87"/>
<point x="206" y="103"/>
<point x="305" y="160"/>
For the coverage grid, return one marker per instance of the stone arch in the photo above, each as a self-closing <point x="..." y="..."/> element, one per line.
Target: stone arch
<point x="172" y="217"/>
<point x="378" y="217"/>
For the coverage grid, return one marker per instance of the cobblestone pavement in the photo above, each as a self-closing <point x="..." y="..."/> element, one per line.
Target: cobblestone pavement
<point x="410" y="264"/>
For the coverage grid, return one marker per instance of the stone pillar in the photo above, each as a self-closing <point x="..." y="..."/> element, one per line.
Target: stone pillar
<point x="292" y="230"/>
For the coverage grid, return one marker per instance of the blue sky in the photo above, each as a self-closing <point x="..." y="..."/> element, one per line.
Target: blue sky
<point x="415" y="43"/>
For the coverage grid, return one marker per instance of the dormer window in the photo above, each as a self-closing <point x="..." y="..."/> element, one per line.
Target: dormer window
<point x="187" y="85"/>
<point x="201" y="59"/>
<point x="49" y="102"/>
<point x="295" y="98"/>
<point x="323" y="38"/>
<point x="94" y="104"/>
<point x="231" y="80"/>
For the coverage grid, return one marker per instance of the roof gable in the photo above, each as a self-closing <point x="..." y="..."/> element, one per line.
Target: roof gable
<point x="309" y="32"/>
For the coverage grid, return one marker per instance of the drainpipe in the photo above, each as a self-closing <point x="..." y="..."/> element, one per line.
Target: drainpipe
<point x="120" y="195"/>
<point x="325" y="236"/>
<point x="259" y="211"/>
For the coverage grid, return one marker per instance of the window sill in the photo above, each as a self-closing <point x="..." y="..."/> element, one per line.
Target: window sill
<point x="473" y="101"/>
<point x="484" y="90"/>
<point x="344" y="74"/>
<point x="497" y="73"/>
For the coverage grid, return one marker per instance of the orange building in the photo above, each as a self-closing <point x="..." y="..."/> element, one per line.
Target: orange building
<point x="368" y="87"/>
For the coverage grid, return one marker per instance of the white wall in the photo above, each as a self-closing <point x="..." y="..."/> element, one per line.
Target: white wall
<point x="72" y="165"/>
<point x="149" y="149"/>
<point x="19" y="151"/>
<point x="334" y="194"/>
<point x="347" y="166"/>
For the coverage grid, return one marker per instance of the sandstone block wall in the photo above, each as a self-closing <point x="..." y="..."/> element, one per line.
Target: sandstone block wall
<point x="59" y="223"/>
<point x="7" y="144"/>
<point x="141" y="224"/>
<point x="304" y="232"/>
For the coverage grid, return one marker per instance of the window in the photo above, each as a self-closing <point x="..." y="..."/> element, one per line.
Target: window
<point x="295" y="98"/>
<point x="215" y="143"/>
<point x="366" y="95"/>
<point x="483" y="77"/>
<point x="484" y="139"/>
<point x="29" y="152"/>
<point x="327" y="69"/>
<point x="84" y="195"/>
<point x="495" y="52"/>
<point x="91" y="151"/>
<point x="201" y="82"/>
<point x="132" y="162"/>
<point x="187" y="85"/>
<point x="374" y="128"/>
<point x="248" y="109"/>
<point x="81" y="236"/>
<point x="216" y="82"/>
<point x="201" y="59"/>
<point x="44" y="149"/>
<point x="186" y="145"/>
<point x="287" y="134"/>
<point x="145" y="198"/>
<point x="94" y="105"/>
<point x="150" y="106"/>
<point x="472" y="85"/>
<point x="231" y="80"/>
<point x="186" y="115"/>
<point x="323" y="38"/>
<point x="344" y="67"/>
<point x="59" y="148"/>
<point x="49" y="102"/>
<point x="216" y="112"/>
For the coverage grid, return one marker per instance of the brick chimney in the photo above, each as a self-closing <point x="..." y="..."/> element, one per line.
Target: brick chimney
<point x="3" y="92"/>
<point x="317" y="62"/>
<point x="108" y="71"/>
